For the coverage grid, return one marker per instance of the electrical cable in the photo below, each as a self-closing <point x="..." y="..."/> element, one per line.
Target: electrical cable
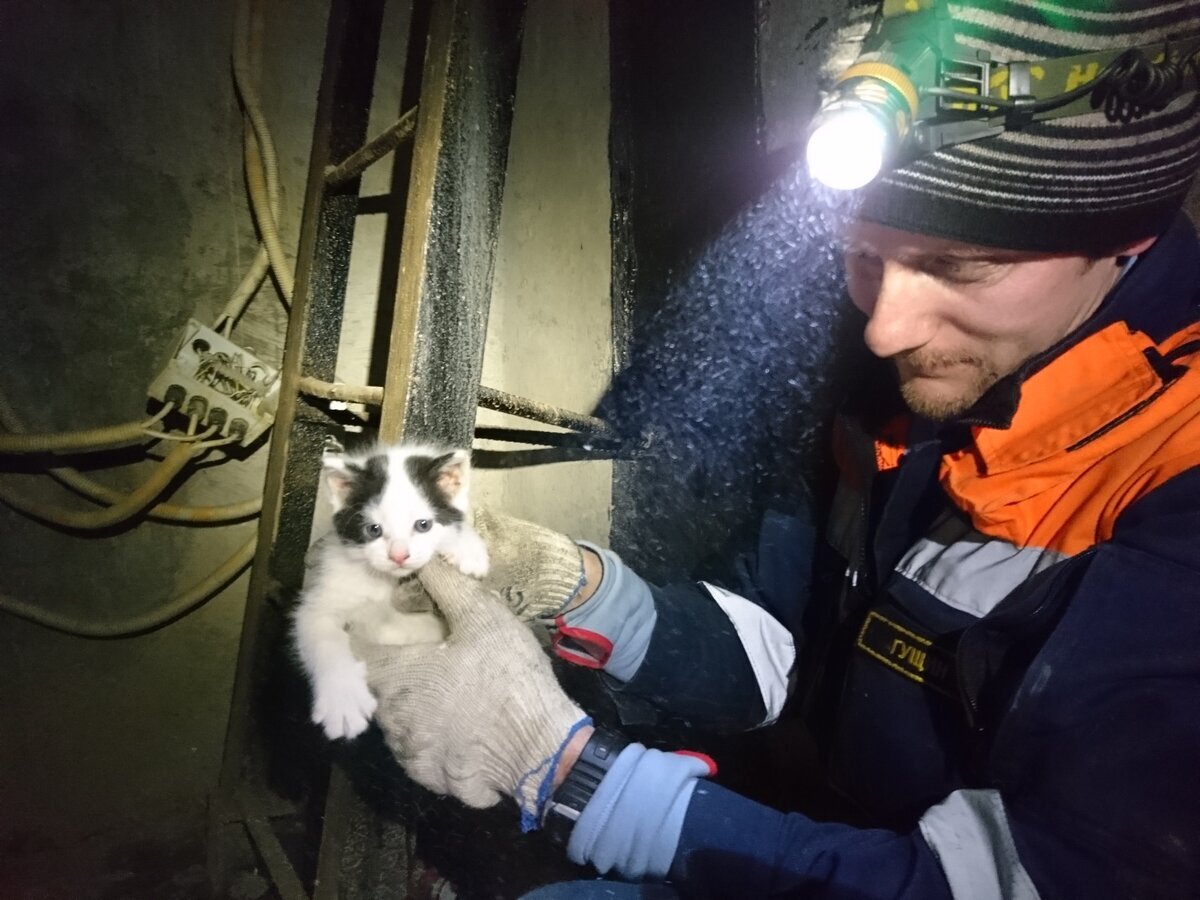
<point x="1128" y="87"/>
<point x="133" y="503"/>
<point x="167" y="436"/>
<point x="217" y="442"/>
<point x="244" y="292"/>
<point x="252" y="161"/>
<point x="262" y="175"/>
<point x="161" y="615"/>
<point x="1008" y="104"/>
<point x="1138" y="85"/>
<point x="263" y="185"/>
<point x="168" y="512"/>
<point x="249" y="20"/>
<point x="104" y="438"/>
<point x="261" y="167"/>
<point x="253" y="279"/>
<point x="268" y="230"/>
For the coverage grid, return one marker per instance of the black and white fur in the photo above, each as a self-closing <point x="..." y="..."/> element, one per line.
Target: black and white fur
<point x="393" y="509"/>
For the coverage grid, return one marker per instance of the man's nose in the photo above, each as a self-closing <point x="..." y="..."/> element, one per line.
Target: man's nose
<point x="398" y="554"/>
<point x="899" y="320"/>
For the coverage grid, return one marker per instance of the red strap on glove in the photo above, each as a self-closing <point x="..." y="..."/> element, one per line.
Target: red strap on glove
<point x="579" y="646"/>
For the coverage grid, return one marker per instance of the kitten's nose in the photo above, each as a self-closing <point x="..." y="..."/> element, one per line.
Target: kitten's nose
<point x="398" y="555"/>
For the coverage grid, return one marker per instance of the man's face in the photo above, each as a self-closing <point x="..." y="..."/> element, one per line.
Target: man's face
<point x="955" y="318"/>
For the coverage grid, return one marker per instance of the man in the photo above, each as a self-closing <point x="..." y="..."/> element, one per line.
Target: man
<point x="1007" y="683"/>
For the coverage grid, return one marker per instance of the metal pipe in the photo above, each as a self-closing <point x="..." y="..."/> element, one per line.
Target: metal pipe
<point x="373" y="150"/>
<point x="543" y="438"/>
<point x="489" y="398"/>
<point x="500" y="401"/>
<point x="515" y="459"/>
<point x="348" y="393"/>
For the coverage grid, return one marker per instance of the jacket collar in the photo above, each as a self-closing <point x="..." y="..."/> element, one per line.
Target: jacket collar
<point x="1072" y="398"/>
<point x="1157" y="296"/>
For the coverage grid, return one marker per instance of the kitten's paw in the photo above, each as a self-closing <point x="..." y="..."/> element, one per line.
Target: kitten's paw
<point x="469" y="554"/>
<point x="343" y="703"/>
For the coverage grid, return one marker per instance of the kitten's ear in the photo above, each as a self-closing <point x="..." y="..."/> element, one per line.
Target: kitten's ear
<point x="453" y="473"/>
<point x="339" y="475"/>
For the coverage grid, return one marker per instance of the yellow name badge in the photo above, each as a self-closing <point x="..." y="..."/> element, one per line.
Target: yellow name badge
<point x="912" y="655"/>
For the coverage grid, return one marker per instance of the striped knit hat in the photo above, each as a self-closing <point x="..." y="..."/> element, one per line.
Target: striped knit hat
<point x="1077" y="184"/>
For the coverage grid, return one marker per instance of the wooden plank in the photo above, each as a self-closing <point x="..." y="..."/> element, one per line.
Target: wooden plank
<point x="435" y="353"/>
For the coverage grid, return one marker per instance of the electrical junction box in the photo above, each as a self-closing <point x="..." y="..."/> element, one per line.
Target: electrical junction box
<point x="214" y="379"/>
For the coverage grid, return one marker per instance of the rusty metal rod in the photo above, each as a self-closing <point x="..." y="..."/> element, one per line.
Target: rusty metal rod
<point x="500" y="401"/>
<point x="373" y="150"/>
<point x="543" y="438"/>
<point x="374" y="205"/>
<point x="516" y="459"/>
<point x="348" y="393"/>
<point x="489" y="398"/>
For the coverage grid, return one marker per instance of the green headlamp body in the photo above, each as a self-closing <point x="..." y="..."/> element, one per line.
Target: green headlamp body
<point x="922" y="91"/>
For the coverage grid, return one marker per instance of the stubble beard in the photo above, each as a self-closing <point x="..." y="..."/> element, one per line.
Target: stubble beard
<point x="927" y="399"/>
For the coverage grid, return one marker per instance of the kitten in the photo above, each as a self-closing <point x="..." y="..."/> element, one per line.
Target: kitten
<point x="394" y="508"/>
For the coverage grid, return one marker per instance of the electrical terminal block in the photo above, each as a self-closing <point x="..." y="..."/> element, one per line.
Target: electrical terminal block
<point x="220" y="383"/>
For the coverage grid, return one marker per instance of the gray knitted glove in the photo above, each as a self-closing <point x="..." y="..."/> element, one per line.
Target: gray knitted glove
<point x="480" y="715"/>
<point x="536" y="570"/>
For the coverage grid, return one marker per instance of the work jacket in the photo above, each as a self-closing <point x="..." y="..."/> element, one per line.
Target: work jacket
<point x="1007" y="675"/>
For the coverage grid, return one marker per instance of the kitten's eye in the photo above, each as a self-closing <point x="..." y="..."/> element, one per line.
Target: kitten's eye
<point x="373" y="530"/>
<point x="422" y="525"/>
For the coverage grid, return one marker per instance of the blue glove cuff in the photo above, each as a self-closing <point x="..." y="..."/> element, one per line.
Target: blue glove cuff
<point x="633" y="821"/>
<point x="620" y="617"/>
<point x="541" y="779"/>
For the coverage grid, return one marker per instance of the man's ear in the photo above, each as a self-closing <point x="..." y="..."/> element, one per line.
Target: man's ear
<point x="339" y="475"/>
<point x="1137" y="248"/>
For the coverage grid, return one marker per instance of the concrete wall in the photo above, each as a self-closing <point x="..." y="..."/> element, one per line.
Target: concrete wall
<point x="550" y="325"/>
<point x="125" y="218"/>
<point x="125" y="215"/>
<point x="792" y="34"/>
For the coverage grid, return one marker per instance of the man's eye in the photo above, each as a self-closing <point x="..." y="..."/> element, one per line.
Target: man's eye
<point x="861" y="259"/>
<point x="956" y="272"/>
<point x="373" y="530"/>
<point x="422" y="525"/>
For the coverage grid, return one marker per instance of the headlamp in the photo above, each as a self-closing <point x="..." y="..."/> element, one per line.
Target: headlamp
<point x="862" y="126"/>
<point x="914" y="90"/>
